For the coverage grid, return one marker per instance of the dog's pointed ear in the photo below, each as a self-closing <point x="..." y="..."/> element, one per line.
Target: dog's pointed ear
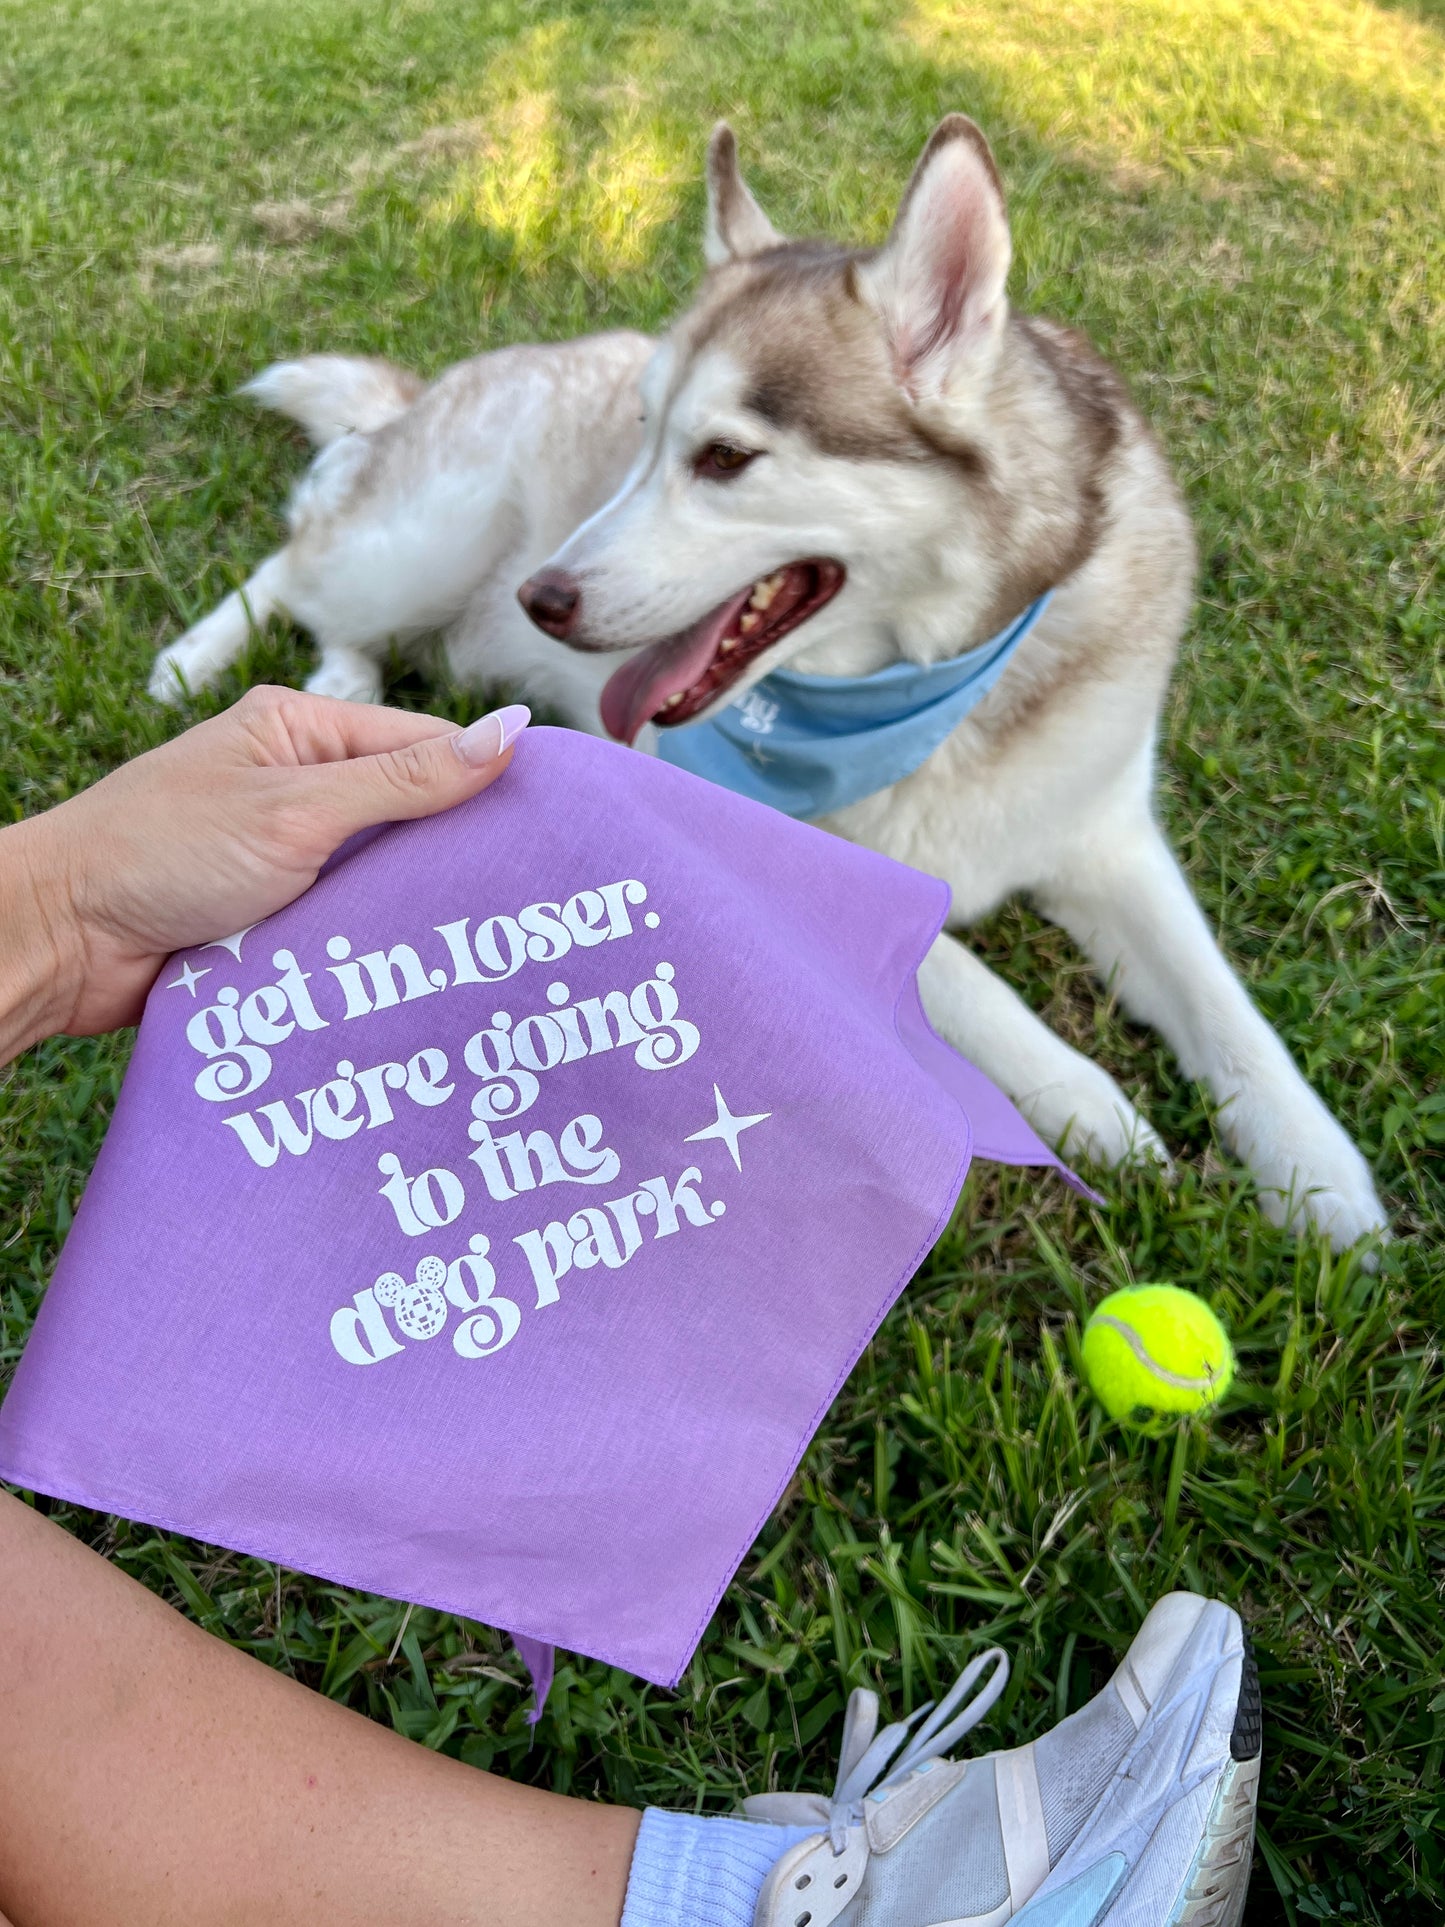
<point x="937" y="284"/>
<point x="736" y="225"/>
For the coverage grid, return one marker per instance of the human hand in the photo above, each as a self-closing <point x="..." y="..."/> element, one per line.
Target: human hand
<point x="207" y="834"/>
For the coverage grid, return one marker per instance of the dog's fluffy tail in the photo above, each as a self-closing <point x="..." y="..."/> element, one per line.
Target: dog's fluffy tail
<point x="332" y="394"/>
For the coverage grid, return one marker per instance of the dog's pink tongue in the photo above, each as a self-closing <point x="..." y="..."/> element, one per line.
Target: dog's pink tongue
<point x="639" y="689"/>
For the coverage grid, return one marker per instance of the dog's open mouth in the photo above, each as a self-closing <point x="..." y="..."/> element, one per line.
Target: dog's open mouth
<point x="673" y="681"/>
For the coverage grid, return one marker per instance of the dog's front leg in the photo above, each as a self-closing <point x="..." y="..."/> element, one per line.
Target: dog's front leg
<point x="1068" y="1100"/>
<point x="1124" y="898"/>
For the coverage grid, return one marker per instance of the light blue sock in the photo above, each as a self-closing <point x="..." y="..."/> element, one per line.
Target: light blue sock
<point x="689" y="1871"/>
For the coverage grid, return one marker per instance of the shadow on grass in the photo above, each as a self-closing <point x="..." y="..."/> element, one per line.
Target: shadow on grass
<point x="1429" y="13"/>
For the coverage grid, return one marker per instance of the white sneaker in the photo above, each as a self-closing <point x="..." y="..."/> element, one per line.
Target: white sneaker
<point x="1137" y="1811"/>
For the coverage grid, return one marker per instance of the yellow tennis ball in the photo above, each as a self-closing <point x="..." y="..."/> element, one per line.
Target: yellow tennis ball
<point x="1156" y="1347"/>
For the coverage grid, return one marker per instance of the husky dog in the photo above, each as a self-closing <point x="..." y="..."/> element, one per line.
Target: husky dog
<point x="839" y="459"/>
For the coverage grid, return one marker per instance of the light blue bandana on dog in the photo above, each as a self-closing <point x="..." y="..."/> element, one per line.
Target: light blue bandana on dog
<point x="813" y="744"/>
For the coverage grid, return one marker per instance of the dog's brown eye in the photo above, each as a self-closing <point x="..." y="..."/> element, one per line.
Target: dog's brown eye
<point x="721" y="459"/>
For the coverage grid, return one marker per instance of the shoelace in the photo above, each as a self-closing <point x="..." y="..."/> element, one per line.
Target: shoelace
<point x="871" y="1763"/>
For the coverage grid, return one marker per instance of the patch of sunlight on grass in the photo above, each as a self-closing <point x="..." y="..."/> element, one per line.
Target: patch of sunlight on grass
<point x="529" y="184"/>
<point x="1409" y="440"/>
<point x="513" y="187"/>
<point x="635" y="190"/>
<point x="1313" y="91"/>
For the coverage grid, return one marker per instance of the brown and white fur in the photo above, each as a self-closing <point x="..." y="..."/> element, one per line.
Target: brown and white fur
<point x="883" y="409"/>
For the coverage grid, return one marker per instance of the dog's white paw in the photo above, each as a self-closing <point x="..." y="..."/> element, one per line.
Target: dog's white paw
<point x="1309" y="1174"/>
<point x="171" y="681"/>
<point x="350" y="678"/>
<point x="1089" y="1117"/>
<point x="1323" y="1186"/>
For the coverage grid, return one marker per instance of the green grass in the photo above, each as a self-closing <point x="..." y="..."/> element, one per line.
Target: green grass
<point x="1242" y="204"/>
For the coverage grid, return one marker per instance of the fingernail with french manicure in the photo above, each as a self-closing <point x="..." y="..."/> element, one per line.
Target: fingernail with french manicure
<point x="484" y="740"/>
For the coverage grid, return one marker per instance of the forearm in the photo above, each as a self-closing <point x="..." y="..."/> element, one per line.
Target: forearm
<point x="37" y="964"/>
<point x="151" y="1776"/>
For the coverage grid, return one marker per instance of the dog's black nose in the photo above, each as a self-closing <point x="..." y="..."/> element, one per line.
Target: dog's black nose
<point x="551" y="598"/>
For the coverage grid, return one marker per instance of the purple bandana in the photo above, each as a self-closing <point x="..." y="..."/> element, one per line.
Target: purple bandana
<point x="493" y="1227"/>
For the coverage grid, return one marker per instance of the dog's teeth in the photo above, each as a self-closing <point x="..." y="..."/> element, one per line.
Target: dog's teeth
<point x="765" y="591"/>
<point x="728" y="642"/>
<point x="673" y="701"/>
<point x="749" y="622"/>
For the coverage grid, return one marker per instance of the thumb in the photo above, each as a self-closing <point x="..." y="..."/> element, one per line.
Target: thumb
<point x="419" y="778"/>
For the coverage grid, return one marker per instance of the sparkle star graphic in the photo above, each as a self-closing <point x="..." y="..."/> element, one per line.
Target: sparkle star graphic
<point x="188" y="979"/>
<point x="727" y="1127"/>
<point x="233" y="944"/>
